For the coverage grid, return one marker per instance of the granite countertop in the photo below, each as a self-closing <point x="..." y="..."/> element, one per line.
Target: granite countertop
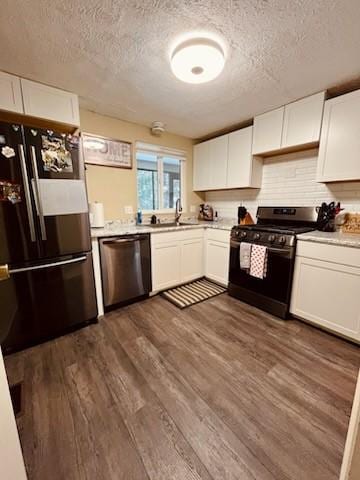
<point x="332" y="238"/>
<point x="116" y="228"/>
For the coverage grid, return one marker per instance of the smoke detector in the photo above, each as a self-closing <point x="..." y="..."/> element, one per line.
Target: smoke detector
<point x="157" y="128"/>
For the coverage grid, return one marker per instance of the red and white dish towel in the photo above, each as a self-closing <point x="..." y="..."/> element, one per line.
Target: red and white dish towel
<point x="258" y="261"/>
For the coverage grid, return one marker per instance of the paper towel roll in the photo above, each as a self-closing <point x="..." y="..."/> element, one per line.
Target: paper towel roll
<point x="97" y="218"/>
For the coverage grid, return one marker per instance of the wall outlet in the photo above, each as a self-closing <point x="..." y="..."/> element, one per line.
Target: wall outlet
<point x="129" y="210"/>
<point x="192" y="208"/>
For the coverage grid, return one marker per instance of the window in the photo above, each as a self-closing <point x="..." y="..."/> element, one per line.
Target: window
<point x="159" y="177"/>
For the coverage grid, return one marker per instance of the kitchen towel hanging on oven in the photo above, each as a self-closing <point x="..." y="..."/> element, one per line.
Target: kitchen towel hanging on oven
<point x="245" y="255"/>
<point x="258" y="261"/>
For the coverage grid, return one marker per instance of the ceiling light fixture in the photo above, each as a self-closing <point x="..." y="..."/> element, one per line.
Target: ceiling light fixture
<point x="197" y="60"/>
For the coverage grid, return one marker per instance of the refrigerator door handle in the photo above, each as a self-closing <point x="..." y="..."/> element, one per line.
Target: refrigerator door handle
<point x="46" y="265"/>
<point x="4" y="272"/>
<point x="29" y="209"/>
<point x="37" y="193"/>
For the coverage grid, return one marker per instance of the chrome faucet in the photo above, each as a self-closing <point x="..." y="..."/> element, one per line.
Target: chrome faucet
<point x="178" y="210"/>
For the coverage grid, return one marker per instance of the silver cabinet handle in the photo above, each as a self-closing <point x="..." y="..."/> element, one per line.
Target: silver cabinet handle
<point x="46" y="265"/>
<point x="37" y="193"/>
<point x="29" y="209"/>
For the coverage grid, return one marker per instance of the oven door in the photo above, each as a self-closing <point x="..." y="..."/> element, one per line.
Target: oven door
<point x="271" y="293"/>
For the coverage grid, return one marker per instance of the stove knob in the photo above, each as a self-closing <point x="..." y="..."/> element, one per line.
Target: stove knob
<point x="271" y="238"/>
<point x="282" y="239"/>
<point x="256" y="236"/>
<point x="243" y="234"/>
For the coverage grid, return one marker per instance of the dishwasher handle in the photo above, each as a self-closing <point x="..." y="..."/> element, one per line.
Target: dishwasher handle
<point x="133" y="238"/>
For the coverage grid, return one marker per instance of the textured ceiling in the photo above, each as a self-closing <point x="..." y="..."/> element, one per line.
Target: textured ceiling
<point x="114" y="54"/>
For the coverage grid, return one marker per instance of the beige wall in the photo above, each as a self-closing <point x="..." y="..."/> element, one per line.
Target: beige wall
<point x="116" y="187"/>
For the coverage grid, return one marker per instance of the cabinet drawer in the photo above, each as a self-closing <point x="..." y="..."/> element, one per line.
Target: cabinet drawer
<point x="330" y="253"/>
<point x="218" y="235"/>
<point x="164" y="237"/>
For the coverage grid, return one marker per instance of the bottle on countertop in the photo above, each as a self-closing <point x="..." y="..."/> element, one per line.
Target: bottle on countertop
<point x="216" y="218"/>
<point x="139" y="217"/>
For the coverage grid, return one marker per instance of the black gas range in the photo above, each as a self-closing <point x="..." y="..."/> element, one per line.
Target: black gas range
<point x="276" y="229"/>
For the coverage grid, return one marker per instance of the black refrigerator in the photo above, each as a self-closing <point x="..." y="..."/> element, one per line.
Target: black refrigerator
<point x="46" y="274"/>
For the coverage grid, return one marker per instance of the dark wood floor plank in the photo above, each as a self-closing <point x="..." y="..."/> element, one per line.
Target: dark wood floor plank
<point x="220" y="450"/>
<point x="220" y="390"/>
<point x="163" y="448"/>
<point x="277" y="420"/>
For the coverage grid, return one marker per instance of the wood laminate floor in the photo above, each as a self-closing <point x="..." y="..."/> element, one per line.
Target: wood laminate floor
<point x="218" y="391"/>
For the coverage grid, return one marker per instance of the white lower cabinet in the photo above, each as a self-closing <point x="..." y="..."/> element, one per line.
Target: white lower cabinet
<point x="176" y="258"/>
<point x="217" y="251"/>
<point x="166" y="265"/>
<point x="192" y="259"/>
<point x="180" y="257"/>
<point x="326" y="287"/>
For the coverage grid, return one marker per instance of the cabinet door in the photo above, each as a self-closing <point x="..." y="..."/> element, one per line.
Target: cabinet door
<point x="166" y="265"/>
<point x="50" y="103"/>
<point x="339" y="154"/>
<point x="217" y="261"/>
<point x="327" y="294"/>
<point x="218" y="150"/>
<point x="268" y="131"/>
<point x="10" y="93"/>
<point x="192" y="260"/>
<point x="201" y="172"/>
<point x="242" y="170"/>
<point x="302" y="121"/>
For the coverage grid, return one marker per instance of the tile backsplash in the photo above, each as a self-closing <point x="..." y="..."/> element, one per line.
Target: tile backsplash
<point x="288" y="180"/>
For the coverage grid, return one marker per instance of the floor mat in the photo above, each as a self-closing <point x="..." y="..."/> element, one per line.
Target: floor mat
<point x="193" y="292"/>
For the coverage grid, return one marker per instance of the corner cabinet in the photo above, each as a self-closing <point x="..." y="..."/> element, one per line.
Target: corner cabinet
<point x="50" y="103"/>
<point x="10" y="93"/>
<point x="339" y="154"/>
<point x="226" y="162"/>
<point x="326" y="287"/>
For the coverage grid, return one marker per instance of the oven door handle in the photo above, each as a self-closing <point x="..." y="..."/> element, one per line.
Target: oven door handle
<point x="270" y="249"/>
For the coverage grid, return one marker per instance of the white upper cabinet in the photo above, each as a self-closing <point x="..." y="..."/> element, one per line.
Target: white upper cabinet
<point x="226" y="162"/>
<point x="268" y="131"/>
<point x="210" y="164"/>
<point x="302" y="121"/>
<point x="339" y="154"/>
<point x="295" y="125"/>
<point x="10" y="93"/>
<point x="201" y="172"/>
<point x="50" y="103"/>
<point x="243" y="170"/>
<point x="218" y="151"/>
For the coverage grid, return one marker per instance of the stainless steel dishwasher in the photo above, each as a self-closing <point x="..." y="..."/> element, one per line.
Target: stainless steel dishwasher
<point x="125" y="268"/>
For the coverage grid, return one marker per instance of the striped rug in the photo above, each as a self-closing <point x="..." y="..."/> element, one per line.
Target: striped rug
<point x="193" y="292"/>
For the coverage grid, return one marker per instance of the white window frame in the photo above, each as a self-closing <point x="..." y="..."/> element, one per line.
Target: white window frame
<point x="161" y="152"/>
